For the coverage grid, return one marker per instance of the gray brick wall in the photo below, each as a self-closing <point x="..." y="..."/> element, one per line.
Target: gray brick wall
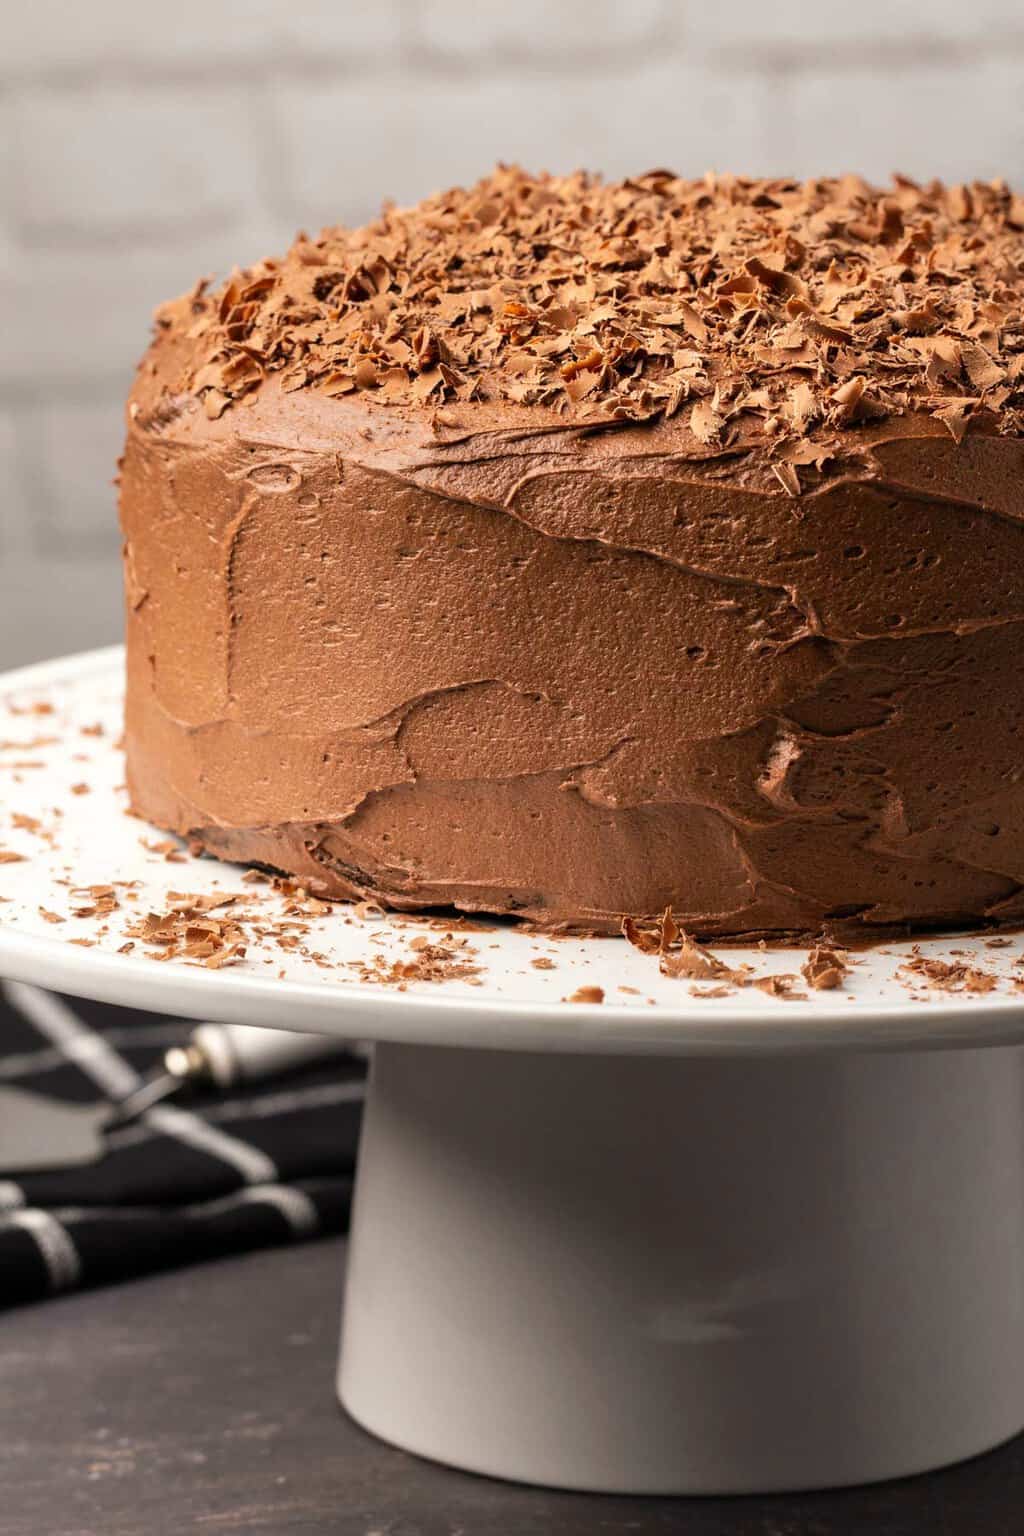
<point x="140" y="153"/>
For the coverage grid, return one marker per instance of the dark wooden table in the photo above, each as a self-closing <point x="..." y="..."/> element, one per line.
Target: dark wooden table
<point x="202" y="1401"/>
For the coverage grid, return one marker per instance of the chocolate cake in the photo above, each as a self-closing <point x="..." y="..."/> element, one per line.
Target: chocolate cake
<point x="571" y="549"/>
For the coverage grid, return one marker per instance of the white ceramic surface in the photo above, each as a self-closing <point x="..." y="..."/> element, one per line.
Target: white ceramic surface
<point x="689" y="1276"/>
<point x="789" y="1252"/>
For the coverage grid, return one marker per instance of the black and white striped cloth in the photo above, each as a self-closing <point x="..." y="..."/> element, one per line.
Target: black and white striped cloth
<point x="187" y="1181"/>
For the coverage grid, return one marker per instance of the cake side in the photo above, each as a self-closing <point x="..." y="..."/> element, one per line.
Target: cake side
<point x="504" y="656"/>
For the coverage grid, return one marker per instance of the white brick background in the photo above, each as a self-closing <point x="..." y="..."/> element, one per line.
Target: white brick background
<point x="142" y="148"/>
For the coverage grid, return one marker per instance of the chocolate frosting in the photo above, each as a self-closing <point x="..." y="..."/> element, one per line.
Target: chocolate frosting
<point x="521" y="648"/>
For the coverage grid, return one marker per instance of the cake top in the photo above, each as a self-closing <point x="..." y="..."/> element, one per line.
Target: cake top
<point x="759" y="312"/>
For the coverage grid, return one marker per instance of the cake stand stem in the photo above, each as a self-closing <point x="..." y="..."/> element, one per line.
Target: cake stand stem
<point x="689" y="1275"/>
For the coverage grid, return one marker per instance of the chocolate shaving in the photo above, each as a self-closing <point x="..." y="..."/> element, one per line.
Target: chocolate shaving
<point x="453" y="959"/>
<point x="167" y="848"/>
<point x="648" y="942"/>
<point x="94" y="900"/>
<point x="824" y="969"/>
<point x="949" y="975"/>
<point x="569" y="295"/>
<point x="787" y="478"/>
<point x="781" y="984"/>
<point x="187" y="930"/>
<point x="678" y="954"/>
<point x="691" y="959"/>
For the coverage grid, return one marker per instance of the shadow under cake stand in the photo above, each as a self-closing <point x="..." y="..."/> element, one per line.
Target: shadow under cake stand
<point x="673" y="1246"/>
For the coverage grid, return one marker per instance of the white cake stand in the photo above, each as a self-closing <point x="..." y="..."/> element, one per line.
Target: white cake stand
<point x="660" y="1244"/>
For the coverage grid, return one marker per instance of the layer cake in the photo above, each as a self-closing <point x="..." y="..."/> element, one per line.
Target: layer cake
<point x="568" y="549"/>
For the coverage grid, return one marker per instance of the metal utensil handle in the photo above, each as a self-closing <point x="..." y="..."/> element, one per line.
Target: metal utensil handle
<point x="238" y="1053"/>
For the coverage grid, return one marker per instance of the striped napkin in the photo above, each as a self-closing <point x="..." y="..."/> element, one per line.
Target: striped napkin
<point x="189" y="1180"/>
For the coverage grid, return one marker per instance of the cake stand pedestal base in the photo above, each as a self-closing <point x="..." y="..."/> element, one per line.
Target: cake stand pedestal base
<point x="689" y="1274"/>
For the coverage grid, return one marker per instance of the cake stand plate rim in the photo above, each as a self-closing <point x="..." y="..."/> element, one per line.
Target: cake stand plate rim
<point x="482" y="1016"/>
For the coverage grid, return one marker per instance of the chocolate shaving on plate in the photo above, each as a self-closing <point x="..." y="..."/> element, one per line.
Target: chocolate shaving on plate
<point x="824" y="968"/>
